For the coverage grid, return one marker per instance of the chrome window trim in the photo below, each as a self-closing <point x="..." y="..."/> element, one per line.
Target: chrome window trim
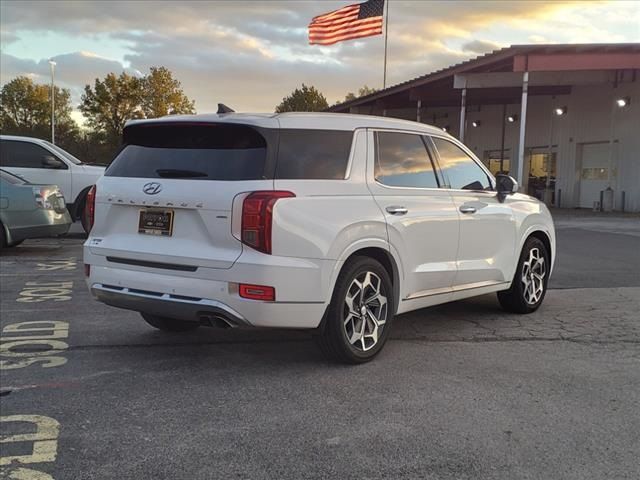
<point x="390" y="187"/>
<point x="454" y="289"/>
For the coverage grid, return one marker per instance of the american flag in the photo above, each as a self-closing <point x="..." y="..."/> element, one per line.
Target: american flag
<point x="353" y="21"/>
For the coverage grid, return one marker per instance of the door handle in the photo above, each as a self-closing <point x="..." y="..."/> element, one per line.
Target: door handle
<point x="467" y="209"/>
<point x="393" y="210"/>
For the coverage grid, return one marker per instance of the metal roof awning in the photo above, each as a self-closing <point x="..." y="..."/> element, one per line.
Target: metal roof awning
<point x="553" y="69"/>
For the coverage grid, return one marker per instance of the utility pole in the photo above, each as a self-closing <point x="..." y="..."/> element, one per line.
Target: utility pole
<point x="53" y="104"/>
<point x="386" y="28"/>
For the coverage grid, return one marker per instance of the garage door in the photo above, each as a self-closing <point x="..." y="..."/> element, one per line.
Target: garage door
<point x="594" y="176"/>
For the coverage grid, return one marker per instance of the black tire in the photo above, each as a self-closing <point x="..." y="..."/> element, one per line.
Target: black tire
<point x="169" y="324"/>
<point x="14" y="244"/>
<point x="518" y="299"/>
<point x="3" y="239"/>
<point x="333" y="337"/>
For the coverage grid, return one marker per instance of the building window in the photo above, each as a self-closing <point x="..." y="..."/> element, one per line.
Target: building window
<point x="542" y="171"/>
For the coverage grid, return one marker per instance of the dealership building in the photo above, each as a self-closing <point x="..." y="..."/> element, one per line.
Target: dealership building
<point x="564" y="120"/>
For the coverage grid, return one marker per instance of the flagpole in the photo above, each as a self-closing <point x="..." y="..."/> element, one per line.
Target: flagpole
<point x="386" y="27"/>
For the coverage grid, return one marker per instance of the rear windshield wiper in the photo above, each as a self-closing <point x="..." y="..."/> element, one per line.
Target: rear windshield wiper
<point x="177" y="173"/>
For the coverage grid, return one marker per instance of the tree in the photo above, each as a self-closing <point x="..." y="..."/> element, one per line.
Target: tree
<point x="163" y="95"/>
<point x="363" y="91"/>
<point x="306" y="99"/>
<point x="25" y="109"/>
<point x="111" y="102"/>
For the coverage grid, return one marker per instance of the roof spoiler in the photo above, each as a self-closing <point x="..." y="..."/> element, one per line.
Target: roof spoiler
<point x="222" y="108"/>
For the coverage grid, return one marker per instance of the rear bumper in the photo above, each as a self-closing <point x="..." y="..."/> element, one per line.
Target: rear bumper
<point x="39" y="231"/>
<point x="212" y="294"/>
<point x="166" y="305"/>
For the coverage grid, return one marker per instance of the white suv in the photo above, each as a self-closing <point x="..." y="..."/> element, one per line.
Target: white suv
<point x="39" y="161"/>
<point x="319" y="221"/>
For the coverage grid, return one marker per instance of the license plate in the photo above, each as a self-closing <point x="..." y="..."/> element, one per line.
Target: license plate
<point x="156" y="222"/>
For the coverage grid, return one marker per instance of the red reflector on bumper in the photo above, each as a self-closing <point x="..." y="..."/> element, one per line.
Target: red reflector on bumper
<point x="257" y="292"/>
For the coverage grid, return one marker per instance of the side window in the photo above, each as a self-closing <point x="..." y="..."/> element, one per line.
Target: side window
<point x="460" y="171"/>
<point x="24" y="155"/>
<point x="402" y="160"/>
<point x="313" y="154"/>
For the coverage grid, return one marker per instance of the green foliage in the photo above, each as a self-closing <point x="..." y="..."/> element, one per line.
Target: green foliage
<point x="25" y="109"/>
<point x="363" y="91"/>
<point x="115" y="99"/>
<point x="111" y="102"/>
<point x="306" y="99"/>
<point x="163" y="95"/>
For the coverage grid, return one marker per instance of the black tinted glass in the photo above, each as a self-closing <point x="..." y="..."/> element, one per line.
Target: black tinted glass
<point x="402" y="160"/>
<point x="22" y="154"/>
<point x="195" y="152"/>
<point x="459" y="169"/>
<point x="313" y="154"/>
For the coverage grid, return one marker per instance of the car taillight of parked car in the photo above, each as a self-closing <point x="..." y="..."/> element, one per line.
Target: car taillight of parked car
<point x="257" y="218"/>
<point x="48" y="199"/>
<point x="90" y="207"/>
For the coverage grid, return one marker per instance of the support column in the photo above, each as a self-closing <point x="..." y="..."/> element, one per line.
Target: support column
<point x="523" y="129"/>
<point x="504" y="126"/>
<point x="418" y="108"/>
<point x="463" y="111"/>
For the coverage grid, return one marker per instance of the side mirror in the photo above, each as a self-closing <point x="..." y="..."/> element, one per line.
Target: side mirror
<point x="49" y="161"/>
<point x="506" y="185"/>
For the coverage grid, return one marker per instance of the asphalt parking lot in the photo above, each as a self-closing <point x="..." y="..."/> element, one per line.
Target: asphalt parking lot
<point x="461" y="391"/>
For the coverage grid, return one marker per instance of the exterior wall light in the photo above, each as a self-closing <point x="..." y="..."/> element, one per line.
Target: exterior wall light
<point x="560" y="111"/>
<point x="623" y="102"/>
<point x="512" y="118"/>
<point x="475" y="123"/>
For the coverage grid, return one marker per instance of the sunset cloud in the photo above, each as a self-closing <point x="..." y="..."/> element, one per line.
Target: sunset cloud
<point x="251" y="54"/>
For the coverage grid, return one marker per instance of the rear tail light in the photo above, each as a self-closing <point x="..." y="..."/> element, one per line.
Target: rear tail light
<point x="87" y="270"/>
<point x="257" y="218"/>
<point x="43" y="198"/>
<point x="257" y="292"/>
<point x="90" y="207"/>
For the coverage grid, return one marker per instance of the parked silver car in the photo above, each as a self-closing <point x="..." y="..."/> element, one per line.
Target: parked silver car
<point x="28" y="210"/>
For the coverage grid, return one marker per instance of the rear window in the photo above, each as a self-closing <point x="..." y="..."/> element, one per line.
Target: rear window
<point x="194" y="152"/>
<point x="9" y="177"/>
<point x="313" y="154"/>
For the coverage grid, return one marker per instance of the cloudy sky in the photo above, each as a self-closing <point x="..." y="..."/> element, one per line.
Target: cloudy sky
<point x="250" y="54"/>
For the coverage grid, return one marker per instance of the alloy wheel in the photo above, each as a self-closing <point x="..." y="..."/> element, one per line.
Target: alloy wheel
<point x="365" y="311"/>
<point x="534" y="271"/>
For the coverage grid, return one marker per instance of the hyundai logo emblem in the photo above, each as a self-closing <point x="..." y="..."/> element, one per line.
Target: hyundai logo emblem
<point x="152" y="188"/>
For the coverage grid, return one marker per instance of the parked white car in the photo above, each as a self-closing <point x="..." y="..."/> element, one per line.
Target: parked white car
<point x="41" y="162"/>
<point x="319" y="221"/>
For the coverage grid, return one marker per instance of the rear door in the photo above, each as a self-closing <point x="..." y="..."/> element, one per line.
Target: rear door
<point x="422" y="221"/>
<point x="168" y="196"/>
<point x="27" y="160"/>
<point x="487" y="225"/>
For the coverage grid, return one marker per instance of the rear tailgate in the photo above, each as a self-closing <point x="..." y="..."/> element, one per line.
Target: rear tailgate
<point x="201" y="231"/>
<point x="167" y="198"/>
